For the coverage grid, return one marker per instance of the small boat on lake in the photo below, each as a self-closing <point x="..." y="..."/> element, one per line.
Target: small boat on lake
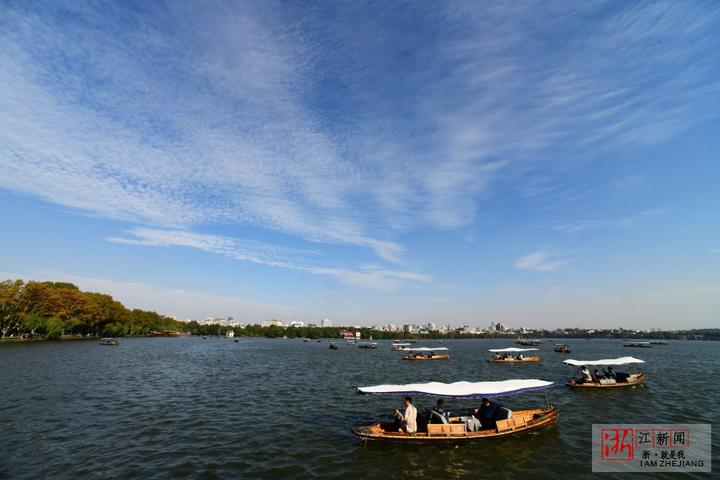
<point x="607" y="379"/>
<point x="658" y="342"/>
<point x="400" y="346"/>
<point x="110" y="342"/>
<point x="638" y="344"/>
<point x="562" y="348"/>
<point x="333" y="346"/>
<point x="461" y="428"/>
<point x="368" y="345"/>
<point x="528" y="343"/>
<point x="505" y="355"/>
<point x="425" y="353"/>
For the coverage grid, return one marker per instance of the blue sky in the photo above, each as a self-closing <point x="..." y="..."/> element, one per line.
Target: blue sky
<point x="549" y="164"/>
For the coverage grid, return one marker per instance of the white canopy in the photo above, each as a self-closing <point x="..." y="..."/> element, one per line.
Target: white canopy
<point x="512" y="349"/>
<point x="606" y="361"/>
<point x="401" y="344"/>
<point x="459" y="389"/>
<point x="424" y="349"/>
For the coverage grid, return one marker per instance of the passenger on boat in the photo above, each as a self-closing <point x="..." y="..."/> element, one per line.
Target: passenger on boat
<point x="407" y="421"/>
<point x="520" y="357"/>
<point x="586" y="377"/>
<point x="596" y="376"/>
<point x="611" y="373"/>
<point x="497" y="356"/>
<point x="438" y="414"/>
<point x="488" y="413"/>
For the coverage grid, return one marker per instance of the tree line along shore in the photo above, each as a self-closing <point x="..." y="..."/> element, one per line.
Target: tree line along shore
<point x="55" y="310"/>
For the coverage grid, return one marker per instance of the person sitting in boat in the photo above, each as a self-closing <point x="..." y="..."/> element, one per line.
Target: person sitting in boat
<point x="407" y="421"/>
<point x="488" y="412"/>
<point x="438" y="414"/>
<point x="585" y="373"/>
<point x="520" y="357"/>
<point x="497" y="356"/>
<point x="611" y="373"/>
<point x="596" y="376"/>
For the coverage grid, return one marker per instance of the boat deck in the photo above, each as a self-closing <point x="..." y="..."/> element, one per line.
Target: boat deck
<point x="522" y="420"/>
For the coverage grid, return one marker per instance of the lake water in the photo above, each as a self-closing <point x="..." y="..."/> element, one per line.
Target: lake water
<point x="212" y="408"/>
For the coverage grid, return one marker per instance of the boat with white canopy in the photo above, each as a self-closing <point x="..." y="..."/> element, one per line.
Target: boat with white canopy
<point x="399" y="346"/>
<point x="607" y="378"/>
<point x="426" y="353"/>
<point x="461" y="427"/>
<point x="513" y="355"/>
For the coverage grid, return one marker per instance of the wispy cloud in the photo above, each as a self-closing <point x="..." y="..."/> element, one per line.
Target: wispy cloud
<point x="540" y="262"/>
<point x="367" y="276"/>
<point x="624" y="222"/>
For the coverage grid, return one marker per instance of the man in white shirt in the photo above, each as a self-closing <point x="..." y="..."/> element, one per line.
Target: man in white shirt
<point x="408" y="420"/>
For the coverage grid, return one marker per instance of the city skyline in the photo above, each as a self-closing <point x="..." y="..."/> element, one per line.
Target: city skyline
<point x="544" y="166"/>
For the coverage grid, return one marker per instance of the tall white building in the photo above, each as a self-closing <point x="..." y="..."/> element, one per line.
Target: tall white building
<point x="326" y="323"/>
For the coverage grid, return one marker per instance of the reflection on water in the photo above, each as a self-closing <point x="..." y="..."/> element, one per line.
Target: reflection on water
<point x="212" y="408"/>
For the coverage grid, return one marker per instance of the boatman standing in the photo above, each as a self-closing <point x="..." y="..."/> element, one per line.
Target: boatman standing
<point x="408" y="420"/>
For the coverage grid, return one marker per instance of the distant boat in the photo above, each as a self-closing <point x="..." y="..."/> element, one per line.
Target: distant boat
<point x="230" y="333"/>
<point x="397" y="347"/>
<point x="424" y="353"/>
<point x="637" y="344"/>
<point x="333" y="346"/>
<point x="111" y="342"/>
<point x="204" y="337"/>
<point x="618" y="379"/>
<point x="658" y="343"/>
<point x="306" y="340"/>
<point x="562" y="348"/>
<point x="349" y="342"/>
<point x="528" y="343"/>
<point x="168" y="333"/>
<point x="368" y="345"/>
<point x="506" y="355"/>
<point x="236" y="340"/>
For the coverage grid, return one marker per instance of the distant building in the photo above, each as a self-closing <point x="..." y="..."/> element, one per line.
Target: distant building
<point x="326" y="323"/>
<point x="272" y="323"/>
<point x="501" y="327"/>
<point x="230" y="333"/>
<point x="297" y="324"/>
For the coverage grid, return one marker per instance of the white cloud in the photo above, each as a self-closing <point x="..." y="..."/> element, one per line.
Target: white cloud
<point x="540" y="262"/>
<point x="266" y="254"/>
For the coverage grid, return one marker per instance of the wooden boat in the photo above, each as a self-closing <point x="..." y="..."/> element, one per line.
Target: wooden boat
<point x="631" y="379"/>
<point x="514" y="360"/>
<point x="562" y="348"/>
<point x="110" y="342"/>
<point x="368" y="345"/>
<point x="505" y="355"/>
<point x="424" y="353"/>
<point x="620" y="379"/>
<point x="638" y="344"/>
<point x="460" y="429"/>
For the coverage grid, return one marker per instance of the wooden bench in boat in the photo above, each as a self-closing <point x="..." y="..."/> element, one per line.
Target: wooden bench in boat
<point x="446" y="429"/>
<point x="514" y="423"/>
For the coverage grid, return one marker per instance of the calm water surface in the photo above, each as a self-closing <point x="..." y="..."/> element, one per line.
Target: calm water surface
<point x="212" y="408"/>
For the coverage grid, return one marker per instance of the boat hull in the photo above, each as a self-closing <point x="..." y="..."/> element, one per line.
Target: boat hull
<point x="417" y="358"/>
<point x="534" y="419"/>
<point x="515" y="360"/>
<point x="633" y="379"/>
